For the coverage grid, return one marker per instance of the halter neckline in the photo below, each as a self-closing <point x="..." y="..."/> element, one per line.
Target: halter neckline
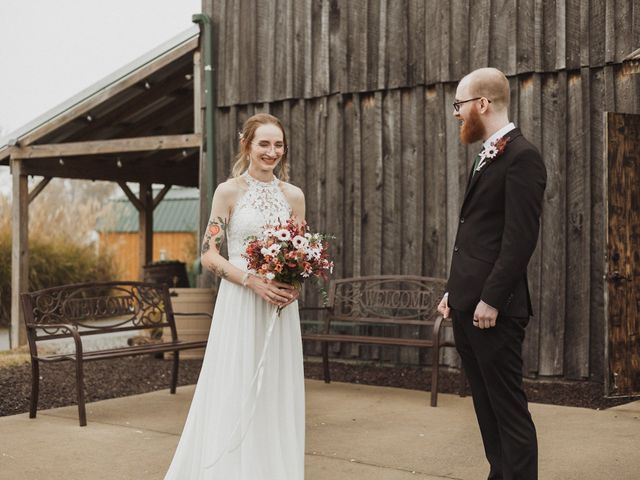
<point x="251" y="179"/>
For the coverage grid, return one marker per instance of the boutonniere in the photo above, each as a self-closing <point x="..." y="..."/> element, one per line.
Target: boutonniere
<point x="491" y="152"/>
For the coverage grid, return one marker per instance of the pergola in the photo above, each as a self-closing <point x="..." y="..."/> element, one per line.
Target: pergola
<point x="143" y="124"/>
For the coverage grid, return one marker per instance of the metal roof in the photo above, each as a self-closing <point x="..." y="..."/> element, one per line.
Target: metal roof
<point x="100" y="85"/>
<point x="151" y="97"/>
<point x="177" y="212"/>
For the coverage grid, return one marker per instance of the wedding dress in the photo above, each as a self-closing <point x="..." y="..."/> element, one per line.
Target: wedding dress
<point x="246" y="420"/>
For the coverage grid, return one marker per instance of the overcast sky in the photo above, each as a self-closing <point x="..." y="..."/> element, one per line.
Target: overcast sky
<point x="52" y="49"/>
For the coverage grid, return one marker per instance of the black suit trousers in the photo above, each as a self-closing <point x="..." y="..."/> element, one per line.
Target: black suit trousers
<point x="492" y="360"/>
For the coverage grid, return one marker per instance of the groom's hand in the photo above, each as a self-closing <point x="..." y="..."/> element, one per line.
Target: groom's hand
<point x="443" y="307"/>
<point x="484" y="316"/>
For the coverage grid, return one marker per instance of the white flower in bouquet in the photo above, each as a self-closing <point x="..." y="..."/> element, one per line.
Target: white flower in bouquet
<point x="274" y="249"/>
<point x="299" y="242"/>
<point x="283" y="235"/>
<point x="314" y="253"/>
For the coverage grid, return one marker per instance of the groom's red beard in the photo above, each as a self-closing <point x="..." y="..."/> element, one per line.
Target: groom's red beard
<point x="472" y="129"/>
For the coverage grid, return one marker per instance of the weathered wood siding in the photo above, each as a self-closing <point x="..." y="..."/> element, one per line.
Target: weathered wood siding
<point x="364" y="88"/>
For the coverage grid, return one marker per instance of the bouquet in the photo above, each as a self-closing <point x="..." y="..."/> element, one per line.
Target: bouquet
<point x="289" y="254"/>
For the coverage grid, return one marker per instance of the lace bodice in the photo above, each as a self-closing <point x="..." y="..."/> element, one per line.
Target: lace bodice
<point x="262" y="204"/>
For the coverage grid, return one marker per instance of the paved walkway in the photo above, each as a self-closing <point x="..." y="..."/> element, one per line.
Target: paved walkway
<point x="353" y="432"/>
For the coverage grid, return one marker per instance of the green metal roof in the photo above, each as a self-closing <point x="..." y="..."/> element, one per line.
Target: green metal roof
<point x="177" y="212"/>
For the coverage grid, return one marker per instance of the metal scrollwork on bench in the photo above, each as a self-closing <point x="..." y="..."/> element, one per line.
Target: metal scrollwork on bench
<point x="128" y="305"/>
<point x="391" y="298"/>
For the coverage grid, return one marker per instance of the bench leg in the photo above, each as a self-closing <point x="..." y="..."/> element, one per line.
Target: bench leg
<point x="174" y="371"/>
<point x="435" y="365"/>
<point x="82" y="413"/>
<point x="35" y="388"/>
<point x="325" y="362"/>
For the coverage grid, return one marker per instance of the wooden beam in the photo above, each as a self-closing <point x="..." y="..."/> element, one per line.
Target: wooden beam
<point x="183" y="173"/>
<point x="100" y="147"/>
<point x="161" y="194"/>
<point x="38" y="188"/>
<point x="132" y="198"/>
<point x="118" y="86"/>
<point x="19" y="251"/>
<point x="145" y="228"/>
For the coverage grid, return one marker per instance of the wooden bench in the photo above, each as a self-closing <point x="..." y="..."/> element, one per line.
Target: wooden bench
<point x="389" y="300"/>
<point x="93" y="309"/>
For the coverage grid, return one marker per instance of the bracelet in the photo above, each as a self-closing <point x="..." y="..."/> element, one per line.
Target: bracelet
<point x="245" y="279"/>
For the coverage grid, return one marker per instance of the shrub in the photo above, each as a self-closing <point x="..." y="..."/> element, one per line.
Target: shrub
<point x="51" y="262"/>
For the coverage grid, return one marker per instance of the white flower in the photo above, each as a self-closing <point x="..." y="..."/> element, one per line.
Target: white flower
<point x="300" y="242"/>
<point x="307" y="236"/>
<point x="313" y="253"/>
<point x="265" y="251"/>
<point x="270" y="275"/>
<point x="274" y="249"/>
<point x="490" y="152"/>
<point x="283" y="235"/>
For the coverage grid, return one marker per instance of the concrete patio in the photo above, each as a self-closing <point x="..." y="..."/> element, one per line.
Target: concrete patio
<point x="353" y="432"/>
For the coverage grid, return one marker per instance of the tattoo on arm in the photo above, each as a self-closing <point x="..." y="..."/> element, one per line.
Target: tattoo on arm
<point x="220" y="272"/>
<point x="216" y="230"/>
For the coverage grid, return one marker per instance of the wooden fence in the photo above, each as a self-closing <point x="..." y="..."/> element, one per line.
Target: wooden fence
<point x="364" y="89"/>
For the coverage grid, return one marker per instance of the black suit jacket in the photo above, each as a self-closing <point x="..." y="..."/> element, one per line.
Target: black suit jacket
<point x="498" y="231"/>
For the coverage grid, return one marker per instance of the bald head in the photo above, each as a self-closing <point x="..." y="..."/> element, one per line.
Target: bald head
<point x="491" y="84"/>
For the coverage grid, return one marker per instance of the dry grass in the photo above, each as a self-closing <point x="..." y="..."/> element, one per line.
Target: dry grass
<point x="17" y="356"/>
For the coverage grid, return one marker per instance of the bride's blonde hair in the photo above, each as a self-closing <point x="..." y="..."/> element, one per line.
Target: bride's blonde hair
<point x="246" y="137"/>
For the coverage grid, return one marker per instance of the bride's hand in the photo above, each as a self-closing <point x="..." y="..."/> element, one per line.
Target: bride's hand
<point x="291" y="290"/>
<point x="276" y="293"/>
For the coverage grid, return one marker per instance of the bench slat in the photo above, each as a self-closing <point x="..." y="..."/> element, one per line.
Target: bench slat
<point x="407" y="342"/>
<point x="127" y="351"/>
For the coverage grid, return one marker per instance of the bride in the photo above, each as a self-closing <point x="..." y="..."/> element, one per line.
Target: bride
<point x="246" y="420"/>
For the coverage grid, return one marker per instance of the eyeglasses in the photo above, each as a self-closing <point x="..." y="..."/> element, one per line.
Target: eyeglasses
<point x="456" y="104"/>
<point x="267" y="147"/>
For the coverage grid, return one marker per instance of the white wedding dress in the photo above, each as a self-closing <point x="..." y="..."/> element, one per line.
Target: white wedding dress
<point x="246" y="420"/>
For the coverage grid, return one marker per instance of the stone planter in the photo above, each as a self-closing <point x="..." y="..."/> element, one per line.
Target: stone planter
<point x="196" y="327"/>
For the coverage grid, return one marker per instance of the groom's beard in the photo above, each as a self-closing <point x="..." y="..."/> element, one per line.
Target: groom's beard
<point x="472" y="129"/>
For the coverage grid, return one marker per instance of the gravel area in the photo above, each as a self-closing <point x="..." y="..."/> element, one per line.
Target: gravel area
<point x="134" y="375"/>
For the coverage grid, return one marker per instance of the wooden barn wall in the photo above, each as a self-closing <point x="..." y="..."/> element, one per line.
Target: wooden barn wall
<point x="364" y="88"/>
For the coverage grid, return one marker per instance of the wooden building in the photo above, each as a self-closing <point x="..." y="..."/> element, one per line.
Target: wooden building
<point x="175" y="230"/>
<point x="364" y="88"/>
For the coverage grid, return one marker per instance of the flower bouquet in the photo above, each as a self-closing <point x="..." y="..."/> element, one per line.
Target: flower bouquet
<point x="289" y="254"/>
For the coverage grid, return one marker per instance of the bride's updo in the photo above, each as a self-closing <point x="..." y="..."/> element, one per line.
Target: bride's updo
<point x="246" y="137"/>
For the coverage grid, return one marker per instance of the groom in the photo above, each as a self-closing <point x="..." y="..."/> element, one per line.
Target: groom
<point x="487" y="292"/>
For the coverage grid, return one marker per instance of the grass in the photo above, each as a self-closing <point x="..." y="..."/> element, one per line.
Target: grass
<point x="17" y="356"/>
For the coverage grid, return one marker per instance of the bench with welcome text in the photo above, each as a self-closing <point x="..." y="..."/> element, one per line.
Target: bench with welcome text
<point x="388" y="300"/>
<point x="89" y="309"/>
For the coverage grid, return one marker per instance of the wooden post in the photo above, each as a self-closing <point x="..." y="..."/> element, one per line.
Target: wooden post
<point x="19" y="251"/>
<point x="145" y="230"/>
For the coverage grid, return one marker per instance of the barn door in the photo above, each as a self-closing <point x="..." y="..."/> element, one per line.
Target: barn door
<point x="622" y="289"/>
